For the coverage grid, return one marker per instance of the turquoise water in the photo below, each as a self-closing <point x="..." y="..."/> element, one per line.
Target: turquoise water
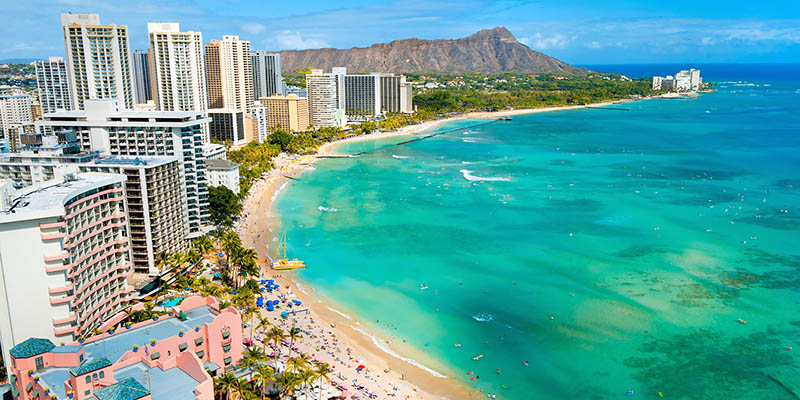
<point x="612" y="250"/>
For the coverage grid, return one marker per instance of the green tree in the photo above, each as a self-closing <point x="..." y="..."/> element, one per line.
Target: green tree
<point x="280" y="138"/>
<point x="223" y="206"/>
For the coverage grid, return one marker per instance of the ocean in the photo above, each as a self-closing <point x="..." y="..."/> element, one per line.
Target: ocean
<point x="581" y="253"/>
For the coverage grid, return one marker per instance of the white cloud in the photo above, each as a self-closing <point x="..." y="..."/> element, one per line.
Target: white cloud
<point x="540" y="42"/>
<point x="253" y="28"/>
<point x="707" y="41"/>
<point x="290" y="40"/>
<point x="594" y="45"/>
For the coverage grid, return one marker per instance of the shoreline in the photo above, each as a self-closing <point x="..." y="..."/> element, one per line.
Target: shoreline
<point x="371" y="349"/>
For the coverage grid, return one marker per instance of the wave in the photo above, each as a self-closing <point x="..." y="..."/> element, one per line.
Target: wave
<point x="399" y="157"/>
<point x="300" y="287"/>
<point x="329" y="209"/>
<point x="467" y="162"/>
<point x="340" y="313"/>
<point x="469" y="141"/>
<point x="275" y="195"/>
<point x="483" y="317"/>
<point x="389" y="351"/>
<point x="468" y="176"/>
<point x="468" y="132"/>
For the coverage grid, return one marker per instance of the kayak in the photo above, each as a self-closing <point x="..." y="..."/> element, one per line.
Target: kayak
<point x="478" y="357"/>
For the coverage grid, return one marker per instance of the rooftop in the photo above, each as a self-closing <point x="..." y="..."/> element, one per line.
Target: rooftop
<point x="128" y="389"/>
<point x="48" y="199"/>
<point x="221" y="164"/>
<point x="127" y="161"/>
<point x="31" y="347"/>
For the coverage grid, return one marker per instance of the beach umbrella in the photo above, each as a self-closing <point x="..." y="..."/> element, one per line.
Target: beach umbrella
<point x="361" y="366"/>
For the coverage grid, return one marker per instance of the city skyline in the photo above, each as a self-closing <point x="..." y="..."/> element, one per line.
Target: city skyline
<point x="580" y="33"/>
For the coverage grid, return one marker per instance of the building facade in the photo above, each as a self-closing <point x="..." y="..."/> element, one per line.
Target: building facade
<point x="289" y="113"/>
<point x="323" y="100"/>
<point x="213" y="151"/>
<point x="177" y="70"/>
<point x="98" y="60"/>
<point x="267" y="77"/>
<point x="165" y="359"/>
<point x="223" y="173"/>
<point x="141" y="77"/>
<point x="227" y="126"/>
<point x="15" y="112"/>
<point x="259" y="118"/>
<point x="104" y="128"/>
<point x="52" y="81"/>
<point x="230" y="73"/>
<point x="71" y="234"/>
<point x="362" y="95"/>
<point x="152" y="188"/>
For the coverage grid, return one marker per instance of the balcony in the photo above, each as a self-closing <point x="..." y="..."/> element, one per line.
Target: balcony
<point x="62" y="289"/>
<point x="60" y="257"/>
<point x="62" y="300"/>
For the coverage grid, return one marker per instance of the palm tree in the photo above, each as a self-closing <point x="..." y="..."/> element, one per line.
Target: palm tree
<point x="276" y="335"/>
<point x="296" y="364"/>
<point x="264" y="375"/>
<point x="322" y="371"/>
<point x="161" y="260"/>
<point x="204" y="244"/>
<point x="263" y="323"/>
<point x="193" y="256"/>
<point x="225" y="385"/>
<point x="252" y="357"/>
<point x="294" y="334"/>
<point x="306" y="376"/>
<point x="288" y="382"/>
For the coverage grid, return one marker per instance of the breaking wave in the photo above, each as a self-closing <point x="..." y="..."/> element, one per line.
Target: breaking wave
<point x="483" y="317"/>
<point x="329" y="209"/>
<point x="468" y="176"/>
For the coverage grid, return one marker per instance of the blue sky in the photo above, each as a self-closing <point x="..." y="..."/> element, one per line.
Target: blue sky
<point x="576" y="31"/>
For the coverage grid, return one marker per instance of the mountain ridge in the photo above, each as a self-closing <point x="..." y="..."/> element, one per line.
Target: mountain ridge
<point x="487" y="51"/>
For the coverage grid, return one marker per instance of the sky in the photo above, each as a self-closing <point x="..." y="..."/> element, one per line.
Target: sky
<point x="575" y="31"/>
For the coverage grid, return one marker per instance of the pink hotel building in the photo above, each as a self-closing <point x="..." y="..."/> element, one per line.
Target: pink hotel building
<point x="164" y="359"/>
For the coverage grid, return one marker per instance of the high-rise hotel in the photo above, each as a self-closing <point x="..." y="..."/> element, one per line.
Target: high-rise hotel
<point x="98" y="60"/>
<point x="52" y="80"/>
<point x="230" y="73"/>
<point x="177" y="71"/>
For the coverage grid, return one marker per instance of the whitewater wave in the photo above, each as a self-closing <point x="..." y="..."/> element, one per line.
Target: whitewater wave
<point x="468" y="132"/>
<point x="329" y="209"/>
<point x="483" y="317"/>
<point x="340" y="313"/>
<point x="467" y="162"/>
<point x="399" y="157"/>
<point x="468" y="176"/>
<point x="275" y="195"/>
<point x="469" y="141"/>
<point x="390" y="352"/>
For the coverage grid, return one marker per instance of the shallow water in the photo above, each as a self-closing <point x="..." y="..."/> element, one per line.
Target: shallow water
<point x="612" y="250"/>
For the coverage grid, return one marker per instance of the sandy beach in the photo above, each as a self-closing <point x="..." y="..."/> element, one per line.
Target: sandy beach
<point x="389" y="375"/>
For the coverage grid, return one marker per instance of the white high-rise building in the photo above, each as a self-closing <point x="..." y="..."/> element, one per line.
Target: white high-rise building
<point x="323" y="100"/>
<point x="65" y="257"/>
<point x="688" y="80"/>
<point x="367" y="96"/>
<point x="52" y="80"/>
<point x="260" y="114"/>
<point x="98" y="60"/>
<point x="230" y="73"/>
<point x="267" y="77"/>
<point x="177" y="70"/>
<point x="105" y="128"/>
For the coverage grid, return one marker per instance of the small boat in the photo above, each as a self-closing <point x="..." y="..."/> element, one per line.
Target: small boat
<point x="478" y="357"/>
<point x="422" y="287"/>
<point x="285" y="263"/>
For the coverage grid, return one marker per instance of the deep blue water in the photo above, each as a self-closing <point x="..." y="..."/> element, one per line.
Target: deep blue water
<point x="709" y="72"/>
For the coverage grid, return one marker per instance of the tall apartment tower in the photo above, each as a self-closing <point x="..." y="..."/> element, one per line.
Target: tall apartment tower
<point x="323" y="99"/>
<point x="229" y="73"/>
<point x="289" y="113"/>
<point x="52" y="81"/>
<point x="267" y="78"/>
<point x="141" y="76"/>
<point x="177" y="71"/>
<point x="98" y="60"/>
